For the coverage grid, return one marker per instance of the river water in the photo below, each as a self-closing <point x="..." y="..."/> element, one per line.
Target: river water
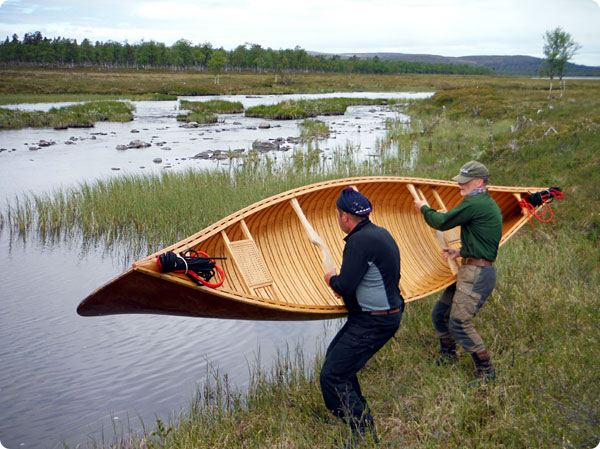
<point x="65" y="379"/>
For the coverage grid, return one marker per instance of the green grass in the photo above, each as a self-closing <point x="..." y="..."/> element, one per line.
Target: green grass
<point x="313" y="130"/>
<point x="214" y="106"/>
<point x="300" y="109"/>
<point x="19" y="98"/>
<point x="205" y="112"/>
<point x="540" y="324"/>
<point x="74" y="116"/>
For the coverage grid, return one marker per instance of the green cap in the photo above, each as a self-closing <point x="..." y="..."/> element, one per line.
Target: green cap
<point x="471" y="170"/>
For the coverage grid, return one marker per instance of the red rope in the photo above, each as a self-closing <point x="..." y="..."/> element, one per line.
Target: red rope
<point x="191" y="273"/>
<point x="219" y="270"/>
<point x="547" y="197"/>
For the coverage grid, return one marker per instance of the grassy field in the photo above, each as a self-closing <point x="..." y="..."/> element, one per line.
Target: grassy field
<point x="541" y="323"/>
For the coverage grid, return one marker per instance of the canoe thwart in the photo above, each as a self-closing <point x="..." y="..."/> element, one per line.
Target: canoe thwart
<point x="441" y="236"/>
<point x="314" y="238"/>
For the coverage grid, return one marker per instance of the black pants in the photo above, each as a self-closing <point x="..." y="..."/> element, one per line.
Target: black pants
<point x="356" y="342"/>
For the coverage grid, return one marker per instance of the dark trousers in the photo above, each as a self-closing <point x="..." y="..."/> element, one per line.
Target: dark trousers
<point x="357" y="341"/>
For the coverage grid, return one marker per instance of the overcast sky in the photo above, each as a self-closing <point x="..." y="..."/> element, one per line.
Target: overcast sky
<point x="441" y="27"/>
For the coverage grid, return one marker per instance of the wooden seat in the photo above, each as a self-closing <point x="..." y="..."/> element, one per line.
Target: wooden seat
<point x="249" y="260"/>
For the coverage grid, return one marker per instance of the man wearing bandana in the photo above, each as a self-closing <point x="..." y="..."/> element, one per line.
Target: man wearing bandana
<point x="480" y="220"/>
<point x="368" y="283"/>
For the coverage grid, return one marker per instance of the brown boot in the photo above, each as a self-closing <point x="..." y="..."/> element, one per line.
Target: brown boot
<point x="483" y="366"/>
<point x="447" y="352"/>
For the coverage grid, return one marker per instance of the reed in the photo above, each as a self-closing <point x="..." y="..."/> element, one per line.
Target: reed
<point x="313" y="130"/>
<point x="138" y="211"/>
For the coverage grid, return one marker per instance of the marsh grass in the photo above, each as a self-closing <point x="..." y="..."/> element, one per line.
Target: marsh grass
<point x="540" y="323"/>
<point x="214" y="106"/>
<point x="206" y="111"/>
<point x="313" y="130"/>
<point x="200" y="116"/>
<point x="145" y="213"/>
<point x="73" y="116"/>
<point x="302" y="109"/>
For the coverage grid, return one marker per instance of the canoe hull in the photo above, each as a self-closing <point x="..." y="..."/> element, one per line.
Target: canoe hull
<point x="136" y="292"/>
<point x="274" y="270"/>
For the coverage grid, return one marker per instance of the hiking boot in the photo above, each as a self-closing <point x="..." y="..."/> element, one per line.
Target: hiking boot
<point x="359" y="429"/>
<point x="483" y="366"/>
<point x="447" y="352"/>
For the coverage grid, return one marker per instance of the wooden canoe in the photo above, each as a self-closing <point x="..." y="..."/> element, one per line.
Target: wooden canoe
<point x="274" y="271"/>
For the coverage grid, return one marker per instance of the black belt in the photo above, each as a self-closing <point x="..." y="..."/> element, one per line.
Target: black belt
<point x="477" y="262"/>
<point x="384" y="312"/>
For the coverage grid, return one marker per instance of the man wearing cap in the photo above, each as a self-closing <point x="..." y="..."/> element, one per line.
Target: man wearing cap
<point x="368" y="283"/>
<point x="480" y="220"/>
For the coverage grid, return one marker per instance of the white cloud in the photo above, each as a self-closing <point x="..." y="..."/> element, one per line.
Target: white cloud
<point x="445" y="27"/>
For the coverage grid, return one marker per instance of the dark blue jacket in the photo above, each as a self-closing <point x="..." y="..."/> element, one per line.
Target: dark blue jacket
<point x="370" y="272"/>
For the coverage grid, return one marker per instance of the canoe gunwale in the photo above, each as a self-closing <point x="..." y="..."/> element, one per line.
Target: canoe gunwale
<point x="298" y="192"/>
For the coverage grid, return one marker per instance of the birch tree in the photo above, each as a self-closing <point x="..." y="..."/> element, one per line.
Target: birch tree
<point x="217" y="62"/>
<point x="559" y="47"/>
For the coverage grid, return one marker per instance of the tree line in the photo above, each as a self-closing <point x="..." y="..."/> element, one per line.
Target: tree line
<point x="183" y="55"/>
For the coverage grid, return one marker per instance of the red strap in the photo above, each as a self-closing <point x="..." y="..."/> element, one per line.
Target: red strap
<point x="552" y="193"/>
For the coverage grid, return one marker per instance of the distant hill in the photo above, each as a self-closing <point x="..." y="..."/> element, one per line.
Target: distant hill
<point x="502" y="65"/>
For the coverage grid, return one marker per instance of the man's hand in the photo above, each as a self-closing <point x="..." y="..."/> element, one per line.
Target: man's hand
<point x="329" y="275"/>
<point x="419" y="204"/>
<point x="450" y="253"/>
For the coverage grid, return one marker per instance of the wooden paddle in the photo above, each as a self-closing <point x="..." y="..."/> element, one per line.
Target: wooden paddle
<point x="418" y="195"/>
<point x="314" y="237"/>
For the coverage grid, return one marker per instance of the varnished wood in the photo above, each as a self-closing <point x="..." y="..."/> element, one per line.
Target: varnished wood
<point x="278" y="249"/>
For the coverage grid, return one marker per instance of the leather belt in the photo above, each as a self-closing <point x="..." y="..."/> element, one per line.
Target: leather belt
<point x="477" y="262"/>
<point x="384" y="312"/>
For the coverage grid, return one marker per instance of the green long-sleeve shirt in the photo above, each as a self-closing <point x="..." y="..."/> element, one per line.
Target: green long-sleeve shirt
<point x="480" y="220"/>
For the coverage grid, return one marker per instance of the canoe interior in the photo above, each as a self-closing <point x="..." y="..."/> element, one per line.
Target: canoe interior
<point x="274" y="272"/>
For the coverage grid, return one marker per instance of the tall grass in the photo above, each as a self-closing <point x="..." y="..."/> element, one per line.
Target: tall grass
<point x="147" y="212"/>
<point x="313" y="130"/>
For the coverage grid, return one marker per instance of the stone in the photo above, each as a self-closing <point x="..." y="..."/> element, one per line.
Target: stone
<point x="264" y="145"/>
<point x="138" y="144"/>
